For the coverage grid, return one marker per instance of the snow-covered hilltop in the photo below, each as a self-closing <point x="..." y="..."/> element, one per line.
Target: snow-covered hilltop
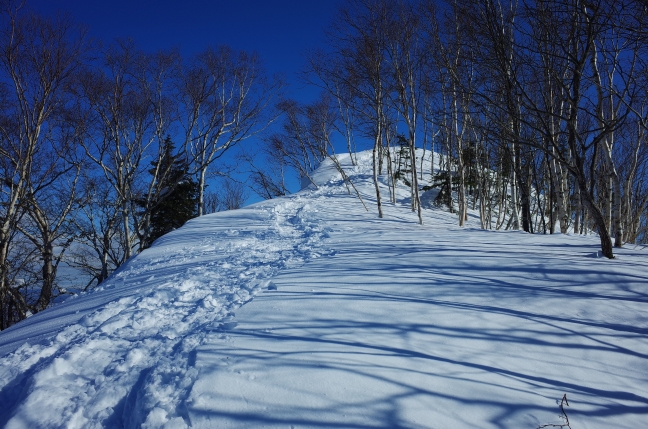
<point x="308" y="311"/>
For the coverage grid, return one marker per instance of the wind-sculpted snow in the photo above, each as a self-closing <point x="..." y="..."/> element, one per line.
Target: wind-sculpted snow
<point x="310" y="312"/>
<point x="131" y="359"/>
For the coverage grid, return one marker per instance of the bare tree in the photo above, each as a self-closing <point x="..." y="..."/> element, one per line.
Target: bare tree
<point x="267" y="177"/>
<point x="47" y="225"/>
<point x="559" y="77"/>
<point x="357" y="43"/>
<point x="406" y="54"/>
<point x="454" y="67"/>
<point x="295" y="144"/>
<point x="321" y="118"/>
<point x="225" y="99"/>
<point x="156" y="83"/>
<point x="98" y="251"/>
<point x="582" y="27"/>
<point x="38" y="58"/>
<point x="232" y="195"/>
<point x="123" y="126"/>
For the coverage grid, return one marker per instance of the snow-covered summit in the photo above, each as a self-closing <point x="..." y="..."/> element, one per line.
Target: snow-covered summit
<point x="308" y="311"/>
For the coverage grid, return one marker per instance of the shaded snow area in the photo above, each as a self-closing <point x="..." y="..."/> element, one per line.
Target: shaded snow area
<point x="310" y="312"/>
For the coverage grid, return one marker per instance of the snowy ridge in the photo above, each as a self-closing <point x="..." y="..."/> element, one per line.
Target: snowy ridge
<point x="309" y="312"/>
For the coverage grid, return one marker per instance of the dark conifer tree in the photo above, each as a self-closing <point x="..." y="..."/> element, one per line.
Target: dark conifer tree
<point x="177" y="200"/>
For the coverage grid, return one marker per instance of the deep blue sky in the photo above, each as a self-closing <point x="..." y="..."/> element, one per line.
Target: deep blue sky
<point x="279" y="30"/>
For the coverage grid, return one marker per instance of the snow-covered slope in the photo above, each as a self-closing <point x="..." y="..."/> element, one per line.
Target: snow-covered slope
<point x="349" y="321"/>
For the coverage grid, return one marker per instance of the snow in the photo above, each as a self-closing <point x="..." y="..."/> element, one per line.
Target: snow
<point x="310" y="312"/>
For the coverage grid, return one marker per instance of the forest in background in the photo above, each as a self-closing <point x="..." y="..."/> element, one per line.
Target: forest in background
<point x="536" y="109"/>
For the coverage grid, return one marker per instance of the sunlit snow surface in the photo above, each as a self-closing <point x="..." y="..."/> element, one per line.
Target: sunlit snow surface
<point x="309" y="312"/>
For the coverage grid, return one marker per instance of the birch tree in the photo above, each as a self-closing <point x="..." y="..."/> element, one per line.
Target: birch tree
<point x="38" y="58"/>
<point x="358" y="46"/>
<point x="122" y="131"/>
<point x="225" y="99"/>
<point x="406" y="54"/>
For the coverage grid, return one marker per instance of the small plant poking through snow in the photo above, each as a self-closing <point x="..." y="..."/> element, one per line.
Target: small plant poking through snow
<point x="563" y="402"/>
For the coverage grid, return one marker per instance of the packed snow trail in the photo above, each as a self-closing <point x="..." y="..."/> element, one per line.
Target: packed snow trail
<point x="356" y="322"/>
<point x="131" y="348"/>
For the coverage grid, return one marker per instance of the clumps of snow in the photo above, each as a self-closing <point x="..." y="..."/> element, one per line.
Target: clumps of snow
<point x="127" y="361"/>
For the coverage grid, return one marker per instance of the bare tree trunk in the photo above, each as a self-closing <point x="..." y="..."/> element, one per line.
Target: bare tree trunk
<point x="128" y="244"/>
<point x="578" y="210"/>
<point x="201" y="191"/>
<point x="558" y="183"/>
<point x="415" y="197"/>
<point x="375" y="173"/>
<point x="463" y="213"/>
<point x="48" y="272"/>
<point x="449" y="166"/>
<point x="599" y="220"/>
<point x="616" y="210"/>
<point x="458" y="137"/>
<point x="514" y="196"/>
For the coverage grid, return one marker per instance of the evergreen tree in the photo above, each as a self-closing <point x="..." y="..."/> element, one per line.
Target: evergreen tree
<point x="404" y="161"/>
<point x="177" y="200"/>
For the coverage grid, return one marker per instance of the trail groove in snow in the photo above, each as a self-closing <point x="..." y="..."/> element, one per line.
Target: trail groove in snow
<point x="130" y="362"/>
